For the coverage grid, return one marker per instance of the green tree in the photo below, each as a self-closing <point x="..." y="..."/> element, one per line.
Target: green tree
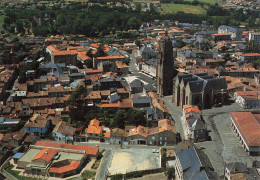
<point x="118" y="119"/>
<point x="100" y="51"/>
<point x="135" y="117"/>
<point x="76" y="98"/>
<point x="89" y="63"/>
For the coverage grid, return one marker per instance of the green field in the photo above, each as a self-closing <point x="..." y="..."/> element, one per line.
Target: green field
<point x="206" y="1"/>
<point x="174" y="8"/>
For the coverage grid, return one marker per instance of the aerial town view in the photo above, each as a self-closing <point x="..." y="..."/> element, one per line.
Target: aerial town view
<point x="138" y="89"/>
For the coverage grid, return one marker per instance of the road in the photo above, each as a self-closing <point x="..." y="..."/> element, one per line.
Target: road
<point x="135" y="72"/>
<point x="176" y="113"/>
<point x="105" y="164"/>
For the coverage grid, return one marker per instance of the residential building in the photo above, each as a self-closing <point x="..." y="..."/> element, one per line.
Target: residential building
<point x="94" y="130"/>
<point x="236" y="34"/>
<point x="255" y="37"/>
<point x="62" y="132"/>
<point x="250" y="57"/>
<point x="37" y="125"/>
<point x="164" y="134"/>
<point x="195" y="127"/>
<point x="193" y="164"/>
<point x="248" y="99"/>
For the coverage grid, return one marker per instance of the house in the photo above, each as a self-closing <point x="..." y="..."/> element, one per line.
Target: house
<point x="221" y="36"/>
<point x="255" y="37"/>
<point x="37" y="125"/>
<point x="248" y="99"/>
<point x="94" y="130"/>
<point x="63" y="132"/>
<point x="194" y="164"/>
<point x="250" y="57"/>
<point x="163" y="134"/>
<point x="149" y="67"/>
<point x="120" y="68"/>
<point x="141" y="101"/>
<point x="136" y="86"/>
<point x="118" y="136"/>
<point x="195" y="127"/>
<point x="246" y="127"/>
<point x="10" y="122"/>
<point x="238" y="170"/>
<point x="236" y="34"/>
<point x="30" y="140"/>
<point x="61" y="56"/>
<point x="104" y="63"/>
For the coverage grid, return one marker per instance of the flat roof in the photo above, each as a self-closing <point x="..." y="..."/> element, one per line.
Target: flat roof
<point x="248" y="125"/>
<point x="29" y="155"/>
<point x="70" y="156"/>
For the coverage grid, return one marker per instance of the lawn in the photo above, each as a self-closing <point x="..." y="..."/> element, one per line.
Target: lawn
<point x="205" y="1"/>
<point x="88" y="174"/>
<point x="96" y="164"/>
<point x="174" y="8"/>
<point x="16" y="174"/>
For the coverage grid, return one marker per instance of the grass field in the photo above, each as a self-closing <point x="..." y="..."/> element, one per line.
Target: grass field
<point x="205" y="1"/>
<point x="174" y="8"/>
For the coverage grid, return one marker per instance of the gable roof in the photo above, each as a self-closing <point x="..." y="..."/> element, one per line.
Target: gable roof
<point x="46" y="155"/>
<point x="90" y="150"/>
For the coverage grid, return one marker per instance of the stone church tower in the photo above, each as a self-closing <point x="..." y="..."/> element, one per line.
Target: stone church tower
<point x="165" y="67"/>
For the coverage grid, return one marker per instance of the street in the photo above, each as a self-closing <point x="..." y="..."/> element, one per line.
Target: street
<point x="135" y="72"/>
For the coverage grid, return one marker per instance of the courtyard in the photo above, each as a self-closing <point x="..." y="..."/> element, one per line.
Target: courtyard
<point x="128" y="160"/>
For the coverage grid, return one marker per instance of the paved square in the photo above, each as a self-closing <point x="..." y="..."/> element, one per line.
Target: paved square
<point x="128" y="160"/>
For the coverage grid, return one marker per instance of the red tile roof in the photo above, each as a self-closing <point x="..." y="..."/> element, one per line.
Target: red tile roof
<point x="221" y="34"/>
<point x="46" y="154"/>
<point x="248" y="126"/>
<point x="67" y="52"/>
<point x="111" y="57"/>
<point x="72" y="166"/>
<point x="94" y="127"/>
<point x="251" y="54"/>
<point x="94" y="71"/>
<point x="90" y="150"/>
<point x="107" y="135"/>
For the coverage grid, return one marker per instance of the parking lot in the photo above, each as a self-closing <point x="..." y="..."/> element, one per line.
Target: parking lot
<point x="128" y="160"/>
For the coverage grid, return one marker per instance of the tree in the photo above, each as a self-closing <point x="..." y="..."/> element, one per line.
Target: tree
<point x="135" y="117"/>
<point x="118" y="119"/>
<point x="89" y="63"/>
<point x="76" y="98"/>
<point x="134" y="23"/>
<point x="138" y="43"/>
<point x="100" y="51"/>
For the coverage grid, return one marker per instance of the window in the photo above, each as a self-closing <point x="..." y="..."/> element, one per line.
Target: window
<point x="160" y="138"/>
<point x="153" y="138"/>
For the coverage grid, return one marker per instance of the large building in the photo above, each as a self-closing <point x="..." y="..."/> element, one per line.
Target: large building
<point x="255" y="37"/>
<point x="55" y="159"/>
<point x="247" y="128"/>
<point x="165" y="67"/>
<point x="202" y="90"/>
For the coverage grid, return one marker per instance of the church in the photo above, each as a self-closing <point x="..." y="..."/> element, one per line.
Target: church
<point x="202" y="90"/>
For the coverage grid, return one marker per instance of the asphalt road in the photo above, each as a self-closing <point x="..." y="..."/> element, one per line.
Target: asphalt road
<point x="105" y="164"/>
<point x="135" y="72"/>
